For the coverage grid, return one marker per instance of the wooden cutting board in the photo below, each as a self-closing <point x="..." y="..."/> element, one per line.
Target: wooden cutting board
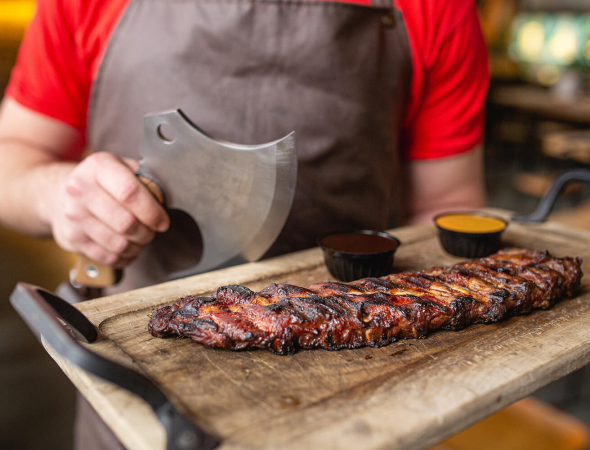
<point x="410" y="394"/>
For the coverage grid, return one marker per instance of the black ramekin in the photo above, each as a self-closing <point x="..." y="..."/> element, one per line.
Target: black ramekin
<point x="349" y="266"/>
<point x="470" y="245"/>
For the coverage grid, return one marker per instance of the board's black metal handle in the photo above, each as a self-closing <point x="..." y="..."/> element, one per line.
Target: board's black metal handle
<point x="546" y="204"/>
<point x="41" y="310"/>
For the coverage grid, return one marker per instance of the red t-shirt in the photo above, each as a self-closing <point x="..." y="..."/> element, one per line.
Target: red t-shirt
<point x="66" y="40"/>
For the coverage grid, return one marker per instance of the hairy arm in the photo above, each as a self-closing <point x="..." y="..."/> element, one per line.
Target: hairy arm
<point x="447" y="184"/>
<point x="96" y="206"/>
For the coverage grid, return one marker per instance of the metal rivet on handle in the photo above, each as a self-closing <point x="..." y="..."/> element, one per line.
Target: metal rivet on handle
<point x="388" y="20"/>
<point x="186" y="439"/>
<point x="91" y="271"/>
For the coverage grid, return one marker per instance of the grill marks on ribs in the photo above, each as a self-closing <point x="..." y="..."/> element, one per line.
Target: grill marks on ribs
<point x="372" y="311"/>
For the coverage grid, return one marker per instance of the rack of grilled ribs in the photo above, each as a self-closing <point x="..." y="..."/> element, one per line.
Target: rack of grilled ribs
<point x="372" y="311"/>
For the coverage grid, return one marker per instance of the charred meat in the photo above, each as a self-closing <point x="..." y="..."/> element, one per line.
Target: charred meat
<point x="372" y="311"/>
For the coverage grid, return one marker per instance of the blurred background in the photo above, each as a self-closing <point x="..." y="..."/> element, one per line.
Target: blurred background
<point x="539" y="102"/>
<point x="38" y="399"/>
<point x="538" y="125"/>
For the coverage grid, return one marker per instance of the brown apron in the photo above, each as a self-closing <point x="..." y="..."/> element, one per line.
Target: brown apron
<point x="252" y="71"/>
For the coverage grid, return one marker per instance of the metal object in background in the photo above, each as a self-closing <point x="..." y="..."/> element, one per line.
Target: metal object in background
<point x="547" y="202"/>
<point x="42" y="311"/>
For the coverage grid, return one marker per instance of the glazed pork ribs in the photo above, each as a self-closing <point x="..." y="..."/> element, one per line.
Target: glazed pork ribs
<point x="372" y="311"/>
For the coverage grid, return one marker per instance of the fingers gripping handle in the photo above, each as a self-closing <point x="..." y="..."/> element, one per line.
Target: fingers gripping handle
<point x="89" y="273"/>
<point x="153" y="188"/>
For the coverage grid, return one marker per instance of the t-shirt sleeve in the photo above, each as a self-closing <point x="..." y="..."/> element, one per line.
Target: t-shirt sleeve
<point x="50" y="76"/>
<point x="449" y="118"/>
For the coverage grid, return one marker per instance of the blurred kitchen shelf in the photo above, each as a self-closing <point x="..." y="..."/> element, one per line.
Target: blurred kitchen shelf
<point x="538" y="184"/>
<point x="542" y="103"/>
<point x="574" y="145"/>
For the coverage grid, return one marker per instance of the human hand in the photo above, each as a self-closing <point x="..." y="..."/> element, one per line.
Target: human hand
<point x="104" y="212"/>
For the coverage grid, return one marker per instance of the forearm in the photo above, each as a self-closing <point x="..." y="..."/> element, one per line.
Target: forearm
<point x="96" y="206"/>
<point x="450" y="184"/>
<point x="29" y="180"/>
<point x="458" y="203"/>
<point x="36" y="154"/>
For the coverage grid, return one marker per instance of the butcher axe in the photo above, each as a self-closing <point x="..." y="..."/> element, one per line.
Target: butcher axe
<point x="239" y="195"/>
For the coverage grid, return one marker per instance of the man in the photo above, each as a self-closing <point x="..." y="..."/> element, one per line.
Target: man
<point x="99" y="209"/>
<point x="386" y="99"/>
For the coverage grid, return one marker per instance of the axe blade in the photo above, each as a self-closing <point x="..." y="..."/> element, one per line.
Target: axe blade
<point x="239" y="195"/>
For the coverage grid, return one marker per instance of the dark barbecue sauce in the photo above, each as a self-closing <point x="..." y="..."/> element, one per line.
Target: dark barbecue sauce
<point x="359" y="243"/>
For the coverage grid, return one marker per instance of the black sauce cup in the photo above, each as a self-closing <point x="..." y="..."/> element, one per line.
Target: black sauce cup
<point x="359" y="254"/>
<point x="470" y="245"/>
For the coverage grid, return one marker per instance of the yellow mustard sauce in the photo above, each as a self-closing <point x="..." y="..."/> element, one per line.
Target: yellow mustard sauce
<point x="469" y="223"/>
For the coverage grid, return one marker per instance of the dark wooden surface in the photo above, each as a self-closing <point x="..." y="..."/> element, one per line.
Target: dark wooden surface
<point x="410" y="394"/>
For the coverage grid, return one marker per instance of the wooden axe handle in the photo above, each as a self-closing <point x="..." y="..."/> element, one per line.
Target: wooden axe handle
<point x="89" y="273"/>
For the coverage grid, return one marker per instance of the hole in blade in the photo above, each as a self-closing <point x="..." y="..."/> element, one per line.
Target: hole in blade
<point x="181" y="247"/>
<point x="167" y="133"/>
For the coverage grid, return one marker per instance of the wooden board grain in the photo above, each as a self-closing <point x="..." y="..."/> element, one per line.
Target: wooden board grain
<point x="410" y="394"/>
